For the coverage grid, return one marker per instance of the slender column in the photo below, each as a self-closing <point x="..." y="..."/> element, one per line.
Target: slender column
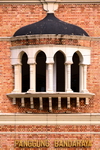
<point x="77" y="102"/>
<point x="54" y="76"/>
<point x="81" y="78"/>
<point x="59" y="103"/>
<point x="85" y="79"/>
<point x="68" y="77"/>
<point x="14" y="101"/>
<point x="84" y="76"/>
<point x="50" y="104"/>
<point x="32" y="78"/>
<point x="68" y="102"/>
<point x="50" y="77"/>
<point x="31" y="102"/>
<point x="41" y="103"/>
<point x="17" y="79"/>
<point x="22" y="102"/>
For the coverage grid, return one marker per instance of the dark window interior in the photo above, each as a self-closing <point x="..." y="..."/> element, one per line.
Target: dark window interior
<point x="60" y="72"/>
<point x="41" y="72"/>
<point x="25" y="74"/>
<point x="75" y="73"/>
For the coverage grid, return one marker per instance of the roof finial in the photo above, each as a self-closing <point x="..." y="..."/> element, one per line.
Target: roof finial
<point x="50" y="5"/>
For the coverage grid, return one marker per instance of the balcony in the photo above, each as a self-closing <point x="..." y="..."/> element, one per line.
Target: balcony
<point x="74" y="99"/>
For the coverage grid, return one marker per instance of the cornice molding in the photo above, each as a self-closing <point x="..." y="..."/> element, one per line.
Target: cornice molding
<point x="50" y="119"/>
<point x="50" y="1"/>
<point x="48" y="36"/>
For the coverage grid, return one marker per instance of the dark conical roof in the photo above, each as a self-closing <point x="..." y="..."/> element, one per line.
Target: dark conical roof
<point x="50" y="25"/>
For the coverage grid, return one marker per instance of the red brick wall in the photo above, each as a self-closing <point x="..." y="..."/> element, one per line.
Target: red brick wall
<point x="14" y="16"/>
<point x="7" y="140"/>
<point x="86" y="16"/>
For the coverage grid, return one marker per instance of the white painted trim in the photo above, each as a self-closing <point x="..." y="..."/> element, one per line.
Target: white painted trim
<point x="48" y="94"/>
<point x="50" y="119"/>
<point x="49" y="122"/>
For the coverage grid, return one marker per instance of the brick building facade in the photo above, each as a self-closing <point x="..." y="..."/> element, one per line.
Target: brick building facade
<point x="49" y="83"/>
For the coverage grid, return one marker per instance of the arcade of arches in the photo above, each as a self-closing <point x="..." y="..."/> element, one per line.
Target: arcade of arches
<point x="51" y="77"/>
<point x="59" y="69"/>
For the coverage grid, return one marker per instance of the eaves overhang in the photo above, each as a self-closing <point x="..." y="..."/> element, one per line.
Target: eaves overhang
<point x="25" y="37"/>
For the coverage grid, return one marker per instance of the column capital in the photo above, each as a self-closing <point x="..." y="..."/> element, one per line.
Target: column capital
<point x="49" y="63"/>
<point x="68" y="63"/>
<point x="83" y="64"/>
<point x="18" y="64"/>
<point x="32" y="63"/>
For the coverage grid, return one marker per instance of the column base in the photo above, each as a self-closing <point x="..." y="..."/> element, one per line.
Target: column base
<point x="15" y="91"/>
<point x="84" y="91"/>
<point x="49" y="91"/>
<point x="69" y="91"/>
<point x="30" y="91"/>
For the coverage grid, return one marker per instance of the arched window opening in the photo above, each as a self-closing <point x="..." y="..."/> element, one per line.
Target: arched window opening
<point x="75" y="73"/>
<point x="59" y="71"/>
<point x="41" y="72"/>
<point x="25" y="74"/>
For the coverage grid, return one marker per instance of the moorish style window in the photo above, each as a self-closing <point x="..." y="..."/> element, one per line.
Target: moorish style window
<point x="57" y="71"/>
<point x="49" y="67"/>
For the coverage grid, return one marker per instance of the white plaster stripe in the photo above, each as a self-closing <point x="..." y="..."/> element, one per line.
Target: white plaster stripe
<point x="49" y="122"/>
<point x="49" y="132"/>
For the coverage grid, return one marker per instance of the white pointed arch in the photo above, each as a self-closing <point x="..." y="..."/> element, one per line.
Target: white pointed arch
<point x="79" y="55"/>
<point x="37" y="52"/>
<point x="20" y="55"/>
<point x="61" y="51"/>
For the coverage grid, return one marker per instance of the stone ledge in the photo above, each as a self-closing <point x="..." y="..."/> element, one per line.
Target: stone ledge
<point x="48" y="36"/>
<point x="37" y="36"/>
<point x="50" y="119"/>
<point x="53" y="94"/>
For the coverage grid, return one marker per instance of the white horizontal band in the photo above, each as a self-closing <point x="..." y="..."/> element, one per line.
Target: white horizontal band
<point x="49" y="122"/>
